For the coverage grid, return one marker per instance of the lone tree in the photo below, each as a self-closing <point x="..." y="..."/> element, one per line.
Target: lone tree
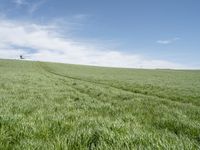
<point x="21" y="57"/>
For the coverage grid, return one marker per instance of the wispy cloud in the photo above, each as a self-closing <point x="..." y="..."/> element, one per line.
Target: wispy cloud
<point x="169" y="41"/>
<point x="32" y="6"/>
<point x="81" y="17"/>
<point x="20" y="2"/>
<point x="35" y="6"/>
<point x="163" y="41"/>
<point x="44" y="43"/>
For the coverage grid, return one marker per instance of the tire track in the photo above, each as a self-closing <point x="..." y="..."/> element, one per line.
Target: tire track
<point x="47" y="69"/>
<point x="64" y="79"/>
<point x="42" y="70"/>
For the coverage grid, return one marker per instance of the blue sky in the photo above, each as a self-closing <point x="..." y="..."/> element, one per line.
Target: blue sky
<point x="123" y="33"/>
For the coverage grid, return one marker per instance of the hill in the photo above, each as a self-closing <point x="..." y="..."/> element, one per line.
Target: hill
<point x="61" y="106"/>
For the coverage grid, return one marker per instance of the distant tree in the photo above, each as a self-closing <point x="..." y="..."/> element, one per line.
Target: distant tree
<point x="21" y="57"/>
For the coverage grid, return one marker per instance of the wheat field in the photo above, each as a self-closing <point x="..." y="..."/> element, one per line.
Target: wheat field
<point x="62" y="106"/>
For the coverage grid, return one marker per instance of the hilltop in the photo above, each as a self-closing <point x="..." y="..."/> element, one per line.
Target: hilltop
<point x="61" y="106"/>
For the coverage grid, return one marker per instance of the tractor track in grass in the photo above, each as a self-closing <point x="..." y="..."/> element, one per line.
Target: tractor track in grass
<point x="47" y="74"/>
<point x="64" y="79"/>
<point x="53" y="79"/>
<point x="45" y="68"/>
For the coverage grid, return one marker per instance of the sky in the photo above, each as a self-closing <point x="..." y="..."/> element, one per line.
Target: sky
<point x="113" y="33"/>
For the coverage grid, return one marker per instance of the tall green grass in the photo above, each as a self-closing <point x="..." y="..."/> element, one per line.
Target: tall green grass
<point x="59" y="106"/>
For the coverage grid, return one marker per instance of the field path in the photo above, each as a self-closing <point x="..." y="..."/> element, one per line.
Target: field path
<point x="140" y="93"/>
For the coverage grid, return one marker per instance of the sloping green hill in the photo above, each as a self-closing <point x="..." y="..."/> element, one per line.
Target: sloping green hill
<point x="59" y="106"/>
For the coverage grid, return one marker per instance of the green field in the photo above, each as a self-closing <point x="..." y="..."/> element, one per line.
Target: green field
<point x="59" y="106"/>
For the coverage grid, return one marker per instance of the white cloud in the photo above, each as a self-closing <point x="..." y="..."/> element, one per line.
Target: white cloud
<point x="168" y="41"/>
<point x="49" y="45"/>
<point x="163" y="41"/>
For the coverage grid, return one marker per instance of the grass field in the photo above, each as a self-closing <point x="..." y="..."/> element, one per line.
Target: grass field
<point x="59" y="106"/>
